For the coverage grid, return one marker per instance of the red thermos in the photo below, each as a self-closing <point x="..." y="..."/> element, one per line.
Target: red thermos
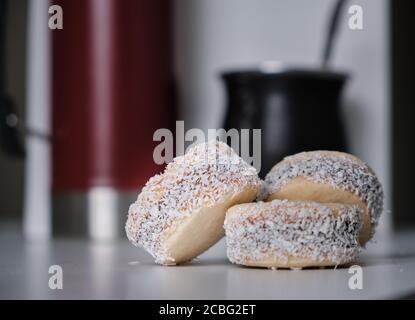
<point x="112" y="88"/>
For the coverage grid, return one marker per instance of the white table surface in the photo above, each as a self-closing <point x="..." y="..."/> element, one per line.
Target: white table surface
<point x="121" y="271"/>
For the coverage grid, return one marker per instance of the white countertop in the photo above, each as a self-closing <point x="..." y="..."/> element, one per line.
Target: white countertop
<point x="121" y="271"/>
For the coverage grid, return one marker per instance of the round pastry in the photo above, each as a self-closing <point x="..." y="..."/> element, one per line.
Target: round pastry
<point x="292" y="234"/>
<point x="180" y="213"/>
<point x="328" y="176"/>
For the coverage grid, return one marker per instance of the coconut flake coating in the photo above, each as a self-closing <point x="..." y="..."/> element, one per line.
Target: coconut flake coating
<point x="201" y="178"/>
<point x="284" y="229"/>
<point x="339" y="170"/>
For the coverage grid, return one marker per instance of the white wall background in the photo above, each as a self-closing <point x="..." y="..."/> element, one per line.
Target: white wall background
<point x="37" y="198"/>
<point x="212" y="35"/>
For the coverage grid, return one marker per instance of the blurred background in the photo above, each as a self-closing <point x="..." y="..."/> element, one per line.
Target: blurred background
<point x="80" y="104"/>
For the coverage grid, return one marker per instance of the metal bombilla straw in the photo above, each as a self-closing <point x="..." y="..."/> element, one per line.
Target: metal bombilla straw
<point x="332" y="32"/>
